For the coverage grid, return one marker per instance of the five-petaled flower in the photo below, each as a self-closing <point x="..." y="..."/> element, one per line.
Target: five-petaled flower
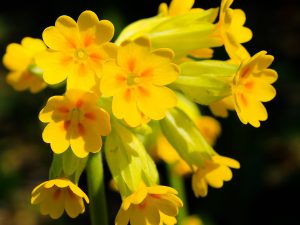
<point x="137" y="79"/>
<point x="214" y="172"/>
<point x="19" y="59"/>
<point x="55" y="196"/>
<point x="251" y="86"/>
<point x="77" y="50"/>
<point x="150" y="205"/>
<point x="75" y="120"/>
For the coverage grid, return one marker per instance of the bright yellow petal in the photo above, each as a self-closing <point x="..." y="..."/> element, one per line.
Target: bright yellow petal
<point x="56" y="66"/>
<point x="113" y="78"/>
<point x="16" y="57"/>
<point x="46" y="114"/>
<point x="73" y="205"/>
<point x="85" y="139"/>
<point x="154" y="101"/>
<point x="83" y="78"/>
<point x="124" y="106"/>
<point x="33" y="45"/>
<point x="122" y="217"/>
<point x="55" y="134"/>
<point x="178" y="7"/>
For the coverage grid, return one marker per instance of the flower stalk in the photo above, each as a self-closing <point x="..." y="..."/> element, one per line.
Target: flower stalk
<point x="96" y="190"/>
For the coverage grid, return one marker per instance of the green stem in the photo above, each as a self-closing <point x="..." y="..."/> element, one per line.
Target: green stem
<point x="177" y="182"/>
<point x="95" y="178"/>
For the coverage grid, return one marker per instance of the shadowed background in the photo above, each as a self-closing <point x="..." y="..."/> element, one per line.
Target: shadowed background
<point x="261" y="192"/>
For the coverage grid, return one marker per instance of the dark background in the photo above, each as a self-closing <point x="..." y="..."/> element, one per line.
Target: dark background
<point x="266" y="188"/>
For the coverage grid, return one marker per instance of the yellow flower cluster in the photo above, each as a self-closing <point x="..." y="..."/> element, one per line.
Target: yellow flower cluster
<point x="141" y="94"/>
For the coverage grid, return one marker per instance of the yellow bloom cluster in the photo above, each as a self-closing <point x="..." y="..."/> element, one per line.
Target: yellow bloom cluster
<point x="141" y="94"/>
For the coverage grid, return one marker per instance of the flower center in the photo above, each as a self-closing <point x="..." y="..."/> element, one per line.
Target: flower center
<point x="132" y="79"/>
<point x="81" y="54"/>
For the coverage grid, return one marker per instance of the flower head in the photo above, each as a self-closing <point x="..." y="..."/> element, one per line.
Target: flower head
<point x="74" y="120"/>
<point x="55" y="196"/>
<point x="76" y="50"/>
<point x="19" y="59"/>
<point x="214" y="172"/>
<point x="232" y="31"/>
<point x="252" y="86"/>
<point x="137" y="79"/>
<point x="150" y="205"/>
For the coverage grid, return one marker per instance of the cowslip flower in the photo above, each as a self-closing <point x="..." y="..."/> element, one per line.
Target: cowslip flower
<point x="19" y="59"/>
<point x="192" y="220"/>
<point x="137" y="79"/>
<point x="213" y="173"/>
<point x="209" y="127"/>
<point x="150" y="205"/>
<point x="76" y="50"/>
<point x="55" y="196"/>
<point x="231" y="30"/>
<point x="252" y="86"/>
<point x="74" y="120"/>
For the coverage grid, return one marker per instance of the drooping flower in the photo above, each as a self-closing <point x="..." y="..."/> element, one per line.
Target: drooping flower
<point x="213" y="173"/>
<point x="19" y="59"/>
<point x="77" y="50"/>
<point x="209" y="127"/>
<point x="252" y="86"/>
<point x="137" y="79"/>
<point x="55" y="196"/>
<point x="154" y="205"/>
<point x="75" y="120"/>
<point x="232" y="31"/>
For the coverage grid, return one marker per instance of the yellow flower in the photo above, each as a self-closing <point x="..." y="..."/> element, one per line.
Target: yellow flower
<point x="232" y="31"/>
<point x="252" y="86"/>
<point x="74" y="120"/>
<point x="55" y="196"/>
<point x="214" y="172"/>
<point x="154" y="205"/>
<point x="137" y="79"/>
<point x="19" y="59"/>
<point x="77" y="50"/>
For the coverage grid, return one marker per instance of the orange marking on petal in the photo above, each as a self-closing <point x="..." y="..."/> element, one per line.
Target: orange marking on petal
<point x="143" y="91"/>
<point x="56" y="194"/>
<point x="81" y="129"/>
<point x="127" y="95"/>
<point x="63" y="109"/>
<point x="147" y="72"/>
<point x="249" y="85"/>
<point x="96" y="57"/>
<point x="79" y="103"/>
<point x="142" y="205"/>
<point x="245" y="72"/>
<point x="90" y="115"/>
<point x="120" y="78"/>
<point x="244" y="99"/>
<point x="66" y="60"/>
<point x="155" y="196"/>
<point x="88" y="40"/>
<point x="131" y="64"/>
<point x="71" y="43"/>
<point x="71" y="194"/>
<point x="67" y="124"/>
